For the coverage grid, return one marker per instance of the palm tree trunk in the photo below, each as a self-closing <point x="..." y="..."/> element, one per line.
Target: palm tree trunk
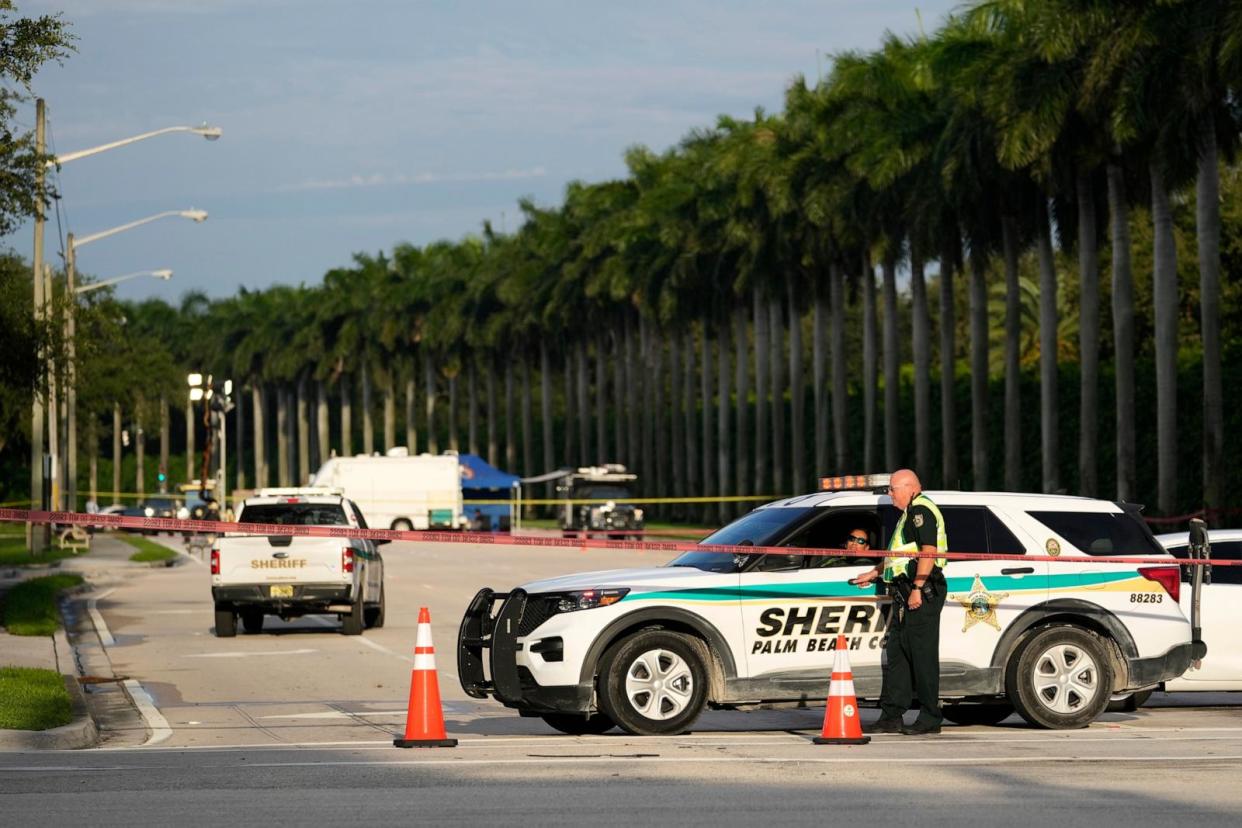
<point x="722" y="417"/>
<point x="322" y="429"/>
<point x="797" y="394"/>
<point x="922" y="363"/>
<point x="689" y="411"/>
<point x="92" y="440"/>
<point x="72" y="485"/>
<point x="648" y="422"/>
<point x="634" y="387"/>
<point x="892" y="367"/>
<point x="347" y="423"/>
<point x="741" y="425"/>
<point x="189" y="441"/>
<point x="567" y="446"/>
<point x="601" y="402"/>
<point x="1208" y="230"/>
<point x="619" y="392"/>
<point x="1048" y="322"/>
<point x="368" y="429"/>
<point x="453" y="443"/>
<point x="239" y="427"/>
<point x="705" y="400"/>
<point x="659" y="418"/>
<point x="1123" y="330"/>
<point x="140" y="440"/>
<point x="948" y="370"/>
<point x="528" y="437"/>
<point x="870" y="361"/>
<point x="776" y="358"/>
<point x="390" y="414"/>
<point x="472" y="408"/>
<point x="510" y="441"/>
<point x="260" y="438"/>
<point x="411" y="410"/>
<point x="429" y="397"/>
<point x="116" y="452"/>
<point x="282" y="437"/>
<point x="1088" y="338"/>
<point x="677" y="442"/>
<point x="819" y="379"/>
<point x="836" y="277"/>
<point x="545" y="409"/>
<point x="493" y="444"/>
<point x="303" y="434"/>
<point x="979" y="371"/>
<point x="1164" y="300"/>
<point x="584" y="404"/>
<point x="1013" y="377"/>
<point x="763" y="471"/>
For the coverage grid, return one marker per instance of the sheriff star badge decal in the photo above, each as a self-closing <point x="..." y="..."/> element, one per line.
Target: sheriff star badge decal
<point x="980" y="605"/>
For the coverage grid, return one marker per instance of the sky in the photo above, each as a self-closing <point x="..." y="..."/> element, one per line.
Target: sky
<point x="354" y="126"/>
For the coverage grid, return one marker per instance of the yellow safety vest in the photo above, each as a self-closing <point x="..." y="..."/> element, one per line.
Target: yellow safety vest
<point x="895" y="565"/>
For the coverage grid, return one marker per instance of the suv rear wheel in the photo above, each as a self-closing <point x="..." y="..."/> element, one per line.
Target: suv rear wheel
<point x="653" y="683"/>
<point x="1060" y="678"/>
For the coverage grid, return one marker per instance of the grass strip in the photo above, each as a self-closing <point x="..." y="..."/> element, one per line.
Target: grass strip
<point x="32" y="699"/>
<point x="13" y="553"/>
<point x="30" y="607"/>
<point x="148" y="551"/>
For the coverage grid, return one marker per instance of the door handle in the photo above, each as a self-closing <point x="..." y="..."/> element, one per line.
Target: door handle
<point x="1021" y="570"/>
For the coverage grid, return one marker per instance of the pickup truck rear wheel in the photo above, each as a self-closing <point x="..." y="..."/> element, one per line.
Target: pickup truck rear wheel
<point x="1060" y="678"/>
<point x="353" y="623"/>
<point x="252" y="620"/>
<point x="226" y="621"/>
<point x="653" y="683"/>
<point x="375" y="614"/>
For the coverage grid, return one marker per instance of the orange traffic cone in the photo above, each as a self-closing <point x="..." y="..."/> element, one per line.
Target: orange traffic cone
<point x="841" y="723"/>
<point x="424" y="721"/>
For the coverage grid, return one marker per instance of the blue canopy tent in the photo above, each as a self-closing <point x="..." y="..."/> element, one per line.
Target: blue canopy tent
<point x="481" y="481"/>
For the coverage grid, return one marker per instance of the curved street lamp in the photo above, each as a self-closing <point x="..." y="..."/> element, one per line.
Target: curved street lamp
<point x="162" y="273"/>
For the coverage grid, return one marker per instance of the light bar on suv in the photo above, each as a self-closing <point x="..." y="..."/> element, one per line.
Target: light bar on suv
<point x="850" y="482"/>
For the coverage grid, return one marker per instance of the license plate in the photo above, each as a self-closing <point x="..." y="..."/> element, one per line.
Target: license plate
<point x="279" y="591"/>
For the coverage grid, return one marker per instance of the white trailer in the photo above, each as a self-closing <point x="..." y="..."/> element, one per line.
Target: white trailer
<point x="399" y="491"/>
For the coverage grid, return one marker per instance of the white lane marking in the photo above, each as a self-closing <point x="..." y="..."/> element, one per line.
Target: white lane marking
<point x="245" y="654"/>
<point x="176" y="612"/>
<point x="334" y="714"/>
<point x="101" y="627"/>
<point x="156" y="723"/>
<point x="380" y="648"/>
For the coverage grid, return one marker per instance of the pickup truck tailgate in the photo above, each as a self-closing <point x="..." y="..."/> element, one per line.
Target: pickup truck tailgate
<point x="249" y="560"/>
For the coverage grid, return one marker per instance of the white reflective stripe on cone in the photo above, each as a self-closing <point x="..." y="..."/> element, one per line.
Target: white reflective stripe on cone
<point x="424" y="661"/>
<point x="423" y="639"/>
<point x="841" y="688"/>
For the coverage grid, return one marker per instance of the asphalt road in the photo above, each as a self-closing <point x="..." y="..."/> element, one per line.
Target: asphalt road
<point x="294" y="725"/>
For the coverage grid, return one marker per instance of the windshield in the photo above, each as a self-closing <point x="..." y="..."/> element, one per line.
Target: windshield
<point x="601" y="493"/>
<point x="762" y="527"/>
<point x="295" y="514"/>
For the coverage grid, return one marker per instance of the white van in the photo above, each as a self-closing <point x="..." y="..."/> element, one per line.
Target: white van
<point x="399" y="491"/>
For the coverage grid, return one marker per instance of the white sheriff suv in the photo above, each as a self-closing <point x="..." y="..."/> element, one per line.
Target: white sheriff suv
<point x="648" y="649"/>
<point x="253" y="576"/>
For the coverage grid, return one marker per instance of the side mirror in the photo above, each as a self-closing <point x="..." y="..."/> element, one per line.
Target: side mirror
<point x="1198" y="532"/>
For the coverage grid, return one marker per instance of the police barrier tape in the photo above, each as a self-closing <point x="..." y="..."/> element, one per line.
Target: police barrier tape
<point x="220" y="527"/>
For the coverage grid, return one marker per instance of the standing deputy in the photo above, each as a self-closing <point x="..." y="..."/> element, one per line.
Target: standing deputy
<point x="917" y="588"/>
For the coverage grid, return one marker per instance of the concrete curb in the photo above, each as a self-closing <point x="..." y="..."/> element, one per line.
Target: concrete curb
<point x="82" y="731"/>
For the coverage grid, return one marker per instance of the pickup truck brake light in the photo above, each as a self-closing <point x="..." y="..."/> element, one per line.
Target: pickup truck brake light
<point x="1169" y="577"/>
<point x="215" y="561"/>
<point x="347" y="560"/>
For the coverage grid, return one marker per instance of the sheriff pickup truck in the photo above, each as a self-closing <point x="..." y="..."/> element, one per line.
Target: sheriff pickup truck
<point x="253" y="576"/>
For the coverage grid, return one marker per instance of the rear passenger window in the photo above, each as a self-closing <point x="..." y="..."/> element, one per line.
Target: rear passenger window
<point x="1227" y="551"/>
<point x="1000" y="540"/>
<point x="966" y="527"/>
<point x="1102" y="533"/>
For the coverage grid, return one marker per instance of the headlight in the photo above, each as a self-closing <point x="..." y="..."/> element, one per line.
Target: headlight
<point x="183" y="513"/>
<point x="148" y="511"/>
<point x="638" y="514"/>
<point x="587" y="599"/>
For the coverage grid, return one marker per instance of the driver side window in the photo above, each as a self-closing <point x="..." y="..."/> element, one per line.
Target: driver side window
<point x="832" y="531"/>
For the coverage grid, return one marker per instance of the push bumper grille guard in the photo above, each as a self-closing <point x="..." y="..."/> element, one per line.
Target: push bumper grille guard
<point x="481" y="631"/>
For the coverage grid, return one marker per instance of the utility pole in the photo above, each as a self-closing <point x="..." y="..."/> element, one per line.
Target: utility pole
<point x="71" y="376"/>
<point x="37" y="540"/>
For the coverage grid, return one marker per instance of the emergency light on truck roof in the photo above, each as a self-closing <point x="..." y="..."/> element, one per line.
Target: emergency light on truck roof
<point x="850" y="482"/>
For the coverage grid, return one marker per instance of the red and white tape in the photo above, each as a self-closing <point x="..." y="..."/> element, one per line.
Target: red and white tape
<point x="220" y="527"/>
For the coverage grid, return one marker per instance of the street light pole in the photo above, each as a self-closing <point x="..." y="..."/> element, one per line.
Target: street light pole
<point x="36" y="541"/>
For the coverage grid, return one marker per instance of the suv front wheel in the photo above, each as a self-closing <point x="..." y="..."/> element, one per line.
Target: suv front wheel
<point x="1061" y="678"/>
<point x="653" y="683"/>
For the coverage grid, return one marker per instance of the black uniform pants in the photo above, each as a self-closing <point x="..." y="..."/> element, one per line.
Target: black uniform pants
<point x="913" y="656"/>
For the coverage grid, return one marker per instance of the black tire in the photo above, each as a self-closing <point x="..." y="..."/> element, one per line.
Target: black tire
<point x="375" y="615"/>
<point x="977" y="714"/>
<point x="226" y="621"/>
<point x="252" y="620"/>
<point x="628" y="659"/>
<point x="1129" y="702"/>
<point x="1062" y="650"/>
<point x="401" y="525"/>
<point x="576" y="725"/>
<point x="354" y="623"/>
